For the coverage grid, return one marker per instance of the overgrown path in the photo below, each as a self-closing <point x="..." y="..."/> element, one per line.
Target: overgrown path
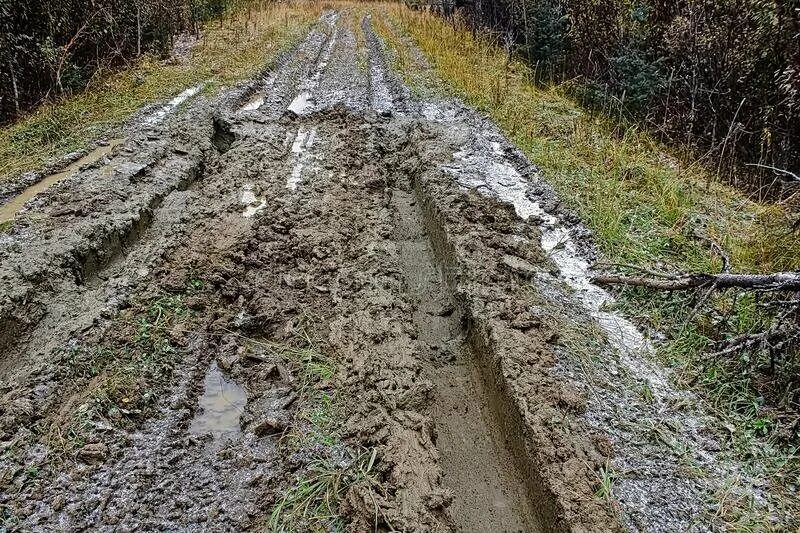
<point x="315" y="301"/>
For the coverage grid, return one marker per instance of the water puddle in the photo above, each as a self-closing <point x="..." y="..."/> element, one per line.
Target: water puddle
<point x="304" y="101"/>
<point x="300" y="150"/>
<point x="301" y="103"/>
<point x="10" y="209"/>
<point x="254" y="205"/>
<point x="170" y="106"/>
<point x="220" y="406"/>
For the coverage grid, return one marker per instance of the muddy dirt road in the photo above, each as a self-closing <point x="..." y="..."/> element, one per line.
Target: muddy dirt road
<point x="315" y="301"/>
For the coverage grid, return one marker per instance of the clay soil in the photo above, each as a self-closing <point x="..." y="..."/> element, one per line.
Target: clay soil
<point x="279" y="284"/>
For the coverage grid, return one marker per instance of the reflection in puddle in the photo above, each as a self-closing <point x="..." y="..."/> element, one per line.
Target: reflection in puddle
<point x="170" y="106"/>
<point x="249" y="199"/>
<point x="220" y="406"/>
<point x="9" y="210"/>
<point x="300" y="149"/>
<point x="301" y="103"/>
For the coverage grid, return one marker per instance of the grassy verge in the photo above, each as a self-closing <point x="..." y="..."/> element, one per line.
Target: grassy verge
<point x="647" y="208"/>
<point x="229" y="50"/>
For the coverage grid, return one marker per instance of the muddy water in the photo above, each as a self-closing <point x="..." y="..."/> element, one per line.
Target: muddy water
<point x="490" y="494"/>
<point x="220" y="407"/>
<point x="9" y="210"/>
<point x="170" y="106"/>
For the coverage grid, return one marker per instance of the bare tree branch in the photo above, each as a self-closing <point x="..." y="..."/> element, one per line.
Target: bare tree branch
<point x="788" y="281"/>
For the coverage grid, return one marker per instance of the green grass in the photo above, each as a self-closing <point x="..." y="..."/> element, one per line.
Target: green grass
<point x="230" y="50"/>
<point x="605" y="486"/>
<point x="312" y="502"/>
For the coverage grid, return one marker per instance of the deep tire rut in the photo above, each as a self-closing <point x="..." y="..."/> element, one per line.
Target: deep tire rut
<point x="489" y="492"/>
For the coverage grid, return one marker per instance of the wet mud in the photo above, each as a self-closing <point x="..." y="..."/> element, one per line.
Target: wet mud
<point x="311" y="268"/>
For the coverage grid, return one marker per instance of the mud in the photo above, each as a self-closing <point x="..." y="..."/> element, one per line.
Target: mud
<point x="311" y="268"/>
<point x="10" y="209"/>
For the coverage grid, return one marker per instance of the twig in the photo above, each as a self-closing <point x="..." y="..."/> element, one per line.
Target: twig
<point x="653" y="273"/>
<point x="775" y="169"/>
<point x="786" y="281"/>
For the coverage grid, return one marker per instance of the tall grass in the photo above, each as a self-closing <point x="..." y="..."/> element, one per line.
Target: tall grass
<point x="229" y="50"/>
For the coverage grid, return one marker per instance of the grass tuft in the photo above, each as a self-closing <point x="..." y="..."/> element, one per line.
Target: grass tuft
<point x="312" y="502"/>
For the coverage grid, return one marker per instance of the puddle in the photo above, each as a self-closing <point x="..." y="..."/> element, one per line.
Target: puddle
<point x="254" y="205"/>
<point x="220" y="406"/>
<point x="10" y="209"/>
<point x="304" y="101"/>
<point x="301" y="103"/>
<point x="300" y="148"/>
<point x="170" y="106"/>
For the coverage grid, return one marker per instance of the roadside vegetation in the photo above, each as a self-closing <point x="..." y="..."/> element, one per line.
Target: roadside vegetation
<point x="650" y="210"/>
<point x="718" y="78"/>
<point x="234" y="47"/>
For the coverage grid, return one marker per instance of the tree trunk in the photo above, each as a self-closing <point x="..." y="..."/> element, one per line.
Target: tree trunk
<point x="138" y="29"/>
<point x="14" y="87"/>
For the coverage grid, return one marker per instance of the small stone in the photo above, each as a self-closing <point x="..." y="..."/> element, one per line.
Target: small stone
<point x="269" y="426"/>
<point x="93" y="453"/>
<point x="519" y="266"/>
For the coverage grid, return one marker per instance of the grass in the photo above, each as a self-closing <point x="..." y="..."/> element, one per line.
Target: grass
<point x="312" y="502"/>
<point x="230" y="50"/>
<point x="317" y="418"/>
<point x="647" y="207"/>
<point x="605" y="487"/>
<point x="123" y="376"/>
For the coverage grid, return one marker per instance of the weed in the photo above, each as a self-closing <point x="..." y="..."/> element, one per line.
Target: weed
<point x="605" y="490"/>
<point x="647" y="393"/>
<point x="312" y="502"/>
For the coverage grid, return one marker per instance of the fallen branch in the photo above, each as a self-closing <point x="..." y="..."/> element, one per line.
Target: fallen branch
<point x="785" y="281"/>
<point x="776" y="170"/>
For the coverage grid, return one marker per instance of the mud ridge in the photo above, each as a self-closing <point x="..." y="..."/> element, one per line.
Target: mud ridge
<point x="510" y="348"/>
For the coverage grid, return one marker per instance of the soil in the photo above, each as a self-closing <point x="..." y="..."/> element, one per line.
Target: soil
<point x="300" y="270"/>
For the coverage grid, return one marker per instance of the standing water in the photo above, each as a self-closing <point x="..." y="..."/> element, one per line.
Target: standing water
<point x="9" y="210"/>
<point x="220" y="406"/>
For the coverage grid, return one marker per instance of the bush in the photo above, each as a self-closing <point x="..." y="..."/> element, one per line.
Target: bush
<point x="721" y="75"/>
<point x="53" y="47"/>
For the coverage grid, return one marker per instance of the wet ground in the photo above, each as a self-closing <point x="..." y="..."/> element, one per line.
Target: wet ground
<point x="318" y="268"/>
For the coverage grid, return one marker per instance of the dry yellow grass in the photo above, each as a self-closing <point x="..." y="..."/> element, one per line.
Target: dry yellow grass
<point x="230" y="50"/>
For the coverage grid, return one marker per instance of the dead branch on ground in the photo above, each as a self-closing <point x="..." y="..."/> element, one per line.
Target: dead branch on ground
<point x="782" y="281"/>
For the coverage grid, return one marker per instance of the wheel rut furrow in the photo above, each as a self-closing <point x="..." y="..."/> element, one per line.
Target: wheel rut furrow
<point x="489" y="492"/>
